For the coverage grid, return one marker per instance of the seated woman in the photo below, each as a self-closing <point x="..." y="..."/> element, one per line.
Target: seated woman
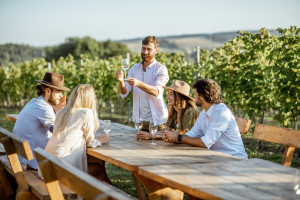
<point x="183" y="112"/>
<point x="74" y="129"/>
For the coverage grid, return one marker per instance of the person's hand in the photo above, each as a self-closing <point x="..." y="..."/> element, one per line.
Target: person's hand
<point x="104" y="138"/>
<point x="170" y="137"/>
<point x="133" y="81"/>
<point x="143" y="135"/>
<point x="61" y="104"/>
<point x="120" y="75"/>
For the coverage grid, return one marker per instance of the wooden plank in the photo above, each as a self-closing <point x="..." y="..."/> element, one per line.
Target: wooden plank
<point x="5" y="182"/>
<point x="21" y="146"/>
<point x="288" y="156"/>
<point x="52" y="184"/>
<point x="277" y="135"/>
<point x="86" y="186"/>
<point x="15" y="164"/>
<point x="253" y="181"/>
<point x="243" y="124"/>
<point x="12" y="117"/>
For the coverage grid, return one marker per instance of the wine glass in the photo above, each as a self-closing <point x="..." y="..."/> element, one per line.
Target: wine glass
<point x="138" y="123"/>
<point x="125" y="66"/>
<point x="153" y="129"/>
<point x="297" y="183"/>
<point x="107" y="127"/>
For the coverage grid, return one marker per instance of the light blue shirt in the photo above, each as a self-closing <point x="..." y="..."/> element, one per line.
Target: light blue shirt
<point x="33" y="124"/>
<point x="219" y="131"/>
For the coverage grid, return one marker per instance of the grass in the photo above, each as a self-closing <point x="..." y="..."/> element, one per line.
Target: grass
<point x="122" y="178"/>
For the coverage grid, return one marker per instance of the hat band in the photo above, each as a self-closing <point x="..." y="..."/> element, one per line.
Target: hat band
<point x="46" y="82"/>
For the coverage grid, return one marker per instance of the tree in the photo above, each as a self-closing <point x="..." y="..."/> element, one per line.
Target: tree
<point x="87" y="46"/>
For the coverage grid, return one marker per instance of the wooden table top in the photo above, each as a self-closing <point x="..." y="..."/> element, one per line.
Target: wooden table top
<point x="126" y="152"/>
<point x="245" y="179"/>
<point x="12" y="117"/>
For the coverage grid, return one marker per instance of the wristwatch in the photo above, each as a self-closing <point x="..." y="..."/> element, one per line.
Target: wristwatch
<point x="179" y="138"/>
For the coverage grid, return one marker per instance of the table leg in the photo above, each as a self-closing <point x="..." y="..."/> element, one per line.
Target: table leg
<point x="156" y="191"/>
<point x="102" y="176"/>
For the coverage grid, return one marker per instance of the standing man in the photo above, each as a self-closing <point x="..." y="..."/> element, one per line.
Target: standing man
<point x="35" y="121"/>
<point x="216" y="127"/>
<point x="147" y="79"/>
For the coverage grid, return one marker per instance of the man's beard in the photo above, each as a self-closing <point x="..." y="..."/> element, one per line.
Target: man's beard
<point x="148" y="57"/>
<point x="199" y="102"/>
<point x="52" y="100"/>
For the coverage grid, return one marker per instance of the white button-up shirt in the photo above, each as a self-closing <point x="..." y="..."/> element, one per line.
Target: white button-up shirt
<point x="219" y="131"/>
<point x="33" y="124"/>
<point x="156" y="75"/>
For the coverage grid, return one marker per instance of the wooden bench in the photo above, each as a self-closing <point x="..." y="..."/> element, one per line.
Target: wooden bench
<point x="285" y="136"/>
<point x="54" y="170"/>
<point x="243" y="124"/>
<point x="29" y="185"/>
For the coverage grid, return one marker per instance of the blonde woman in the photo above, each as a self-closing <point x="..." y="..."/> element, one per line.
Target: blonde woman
<point x="74" y="129"/>
<point x="183" y="112"/>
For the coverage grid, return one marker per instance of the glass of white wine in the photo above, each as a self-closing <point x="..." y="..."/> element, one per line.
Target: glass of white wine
<point x="138" y="123"/>
<point x="153" y="129"/>
<point x="125" y="66"/>
<point x="107" y="127"/>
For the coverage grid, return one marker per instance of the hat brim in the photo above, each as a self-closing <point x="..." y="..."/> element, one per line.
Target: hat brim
<point x="167" y="88"/>
<point x="52" y="86"/>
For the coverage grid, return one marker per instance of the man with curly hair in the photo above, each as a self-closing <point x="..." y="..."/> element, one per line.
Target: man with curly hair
<point x="216" y="127"/>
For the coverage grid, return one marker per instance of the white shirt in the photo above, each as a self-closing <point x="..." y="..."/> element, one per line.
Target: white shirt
<point x="145" y="111"/>
<point x="70" y="144"/>
<point x="219" y="131"/>
<point x="157" y="75"/>
<point x="33" y="125"/>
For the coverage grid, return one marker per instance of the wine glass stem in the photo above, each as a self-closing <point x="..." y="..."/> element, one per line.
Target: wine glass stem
<point x="152" y="139"/>
<point x="125" y="74"/>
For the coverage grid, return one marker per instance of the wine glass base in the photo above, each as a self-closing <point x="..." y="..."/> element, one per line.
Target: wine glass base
<point x="152" y="143"/>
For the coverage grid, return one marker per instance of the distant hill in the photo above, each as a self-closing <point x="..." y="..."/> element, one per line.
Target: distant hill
<point x="16" y="53"/>
<point x="187" y="43"/>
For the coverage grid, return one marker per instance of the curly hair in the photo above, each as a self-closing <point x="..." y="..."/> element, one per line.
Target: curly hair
<point x="40" y="89"/>
<point x="210" y="90"/>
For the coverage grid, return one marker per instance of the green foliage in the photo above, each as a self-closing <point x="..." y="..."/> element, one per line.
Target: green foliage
<point x="257" y="72"/>
<point x="18" y="53"/>
<point x="87" y="46"/>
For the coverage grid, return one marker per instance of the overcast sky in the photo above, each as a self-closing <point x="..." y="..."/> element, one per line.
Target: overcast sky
<point x="42" y="23"/>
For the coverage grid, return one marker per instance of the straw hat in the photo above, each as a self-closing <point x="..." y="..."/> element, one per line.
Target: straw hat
<point x="180" y="87"/>
<point x="54" y="80"/>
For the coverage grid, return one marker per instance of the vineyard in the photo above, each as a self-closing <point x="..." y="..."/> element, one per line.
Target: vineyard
<point x="257" y="73"/>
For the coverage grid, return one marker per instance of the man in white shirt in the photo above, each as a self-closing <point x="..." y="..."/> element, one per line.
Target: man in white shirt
<point x="35" y="121"/>
<point x="147" y="79"/>
<point x="216" y="127"/>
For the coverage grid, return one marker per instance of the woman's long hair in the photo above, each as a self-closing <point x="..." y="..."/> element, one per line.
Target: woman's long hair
<point x="83" y="96"/>
<point x="184" y="103"/>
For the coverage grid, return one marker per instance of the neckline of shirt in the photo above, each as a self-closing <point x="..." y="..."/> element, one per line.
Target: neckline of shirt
<point x="149" y="66"/>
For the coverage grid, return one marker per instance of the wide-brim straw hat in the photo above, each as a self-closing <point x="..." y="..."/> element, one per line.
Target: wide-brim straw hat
<point x="180" y="87"/>
<point x="54" y="80"/>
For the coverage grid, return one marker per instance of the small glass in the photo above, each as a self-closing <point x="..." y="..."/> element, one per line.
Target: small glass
<point x="125" y="66"/>
<point x="297" y="183"/>
<point x="153" y="129"/>
<point x="107" y="127"/>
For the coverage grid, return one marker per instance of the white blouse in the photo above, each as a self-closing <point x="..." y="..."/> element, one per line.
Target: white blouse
<point x="70" y="145"/>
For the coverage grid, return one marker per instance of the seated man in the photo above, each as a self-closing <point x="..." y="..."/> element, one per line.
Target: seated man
<point x="216" y="127"/>
<point x="35" y="121"/>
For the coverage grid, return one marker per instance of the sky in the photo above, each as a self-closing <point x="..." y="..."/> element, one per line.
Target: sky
<point x="47" y="23"/>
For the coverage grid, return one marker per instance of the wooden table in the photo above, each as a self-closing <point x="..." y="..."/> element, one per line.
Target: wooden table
<point x="244" y="179"/>
<point x="128" y="153"/>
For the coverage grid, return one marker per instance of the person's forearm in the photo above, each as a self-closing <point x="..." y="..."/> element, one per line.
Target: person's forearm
<point x="150" y="89"/>
<point x="196" y="142"/>
<point x="122" y="87"/>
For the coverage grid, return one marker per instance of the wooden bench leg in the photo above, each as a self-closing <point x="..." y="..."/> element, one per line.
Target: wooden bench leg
<point x="157" y="191"/>
<point x="288" y="156"/>
<point x="103" y="175"/>
<point x="5" y="182"/>
<point x="139" y="188"/>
